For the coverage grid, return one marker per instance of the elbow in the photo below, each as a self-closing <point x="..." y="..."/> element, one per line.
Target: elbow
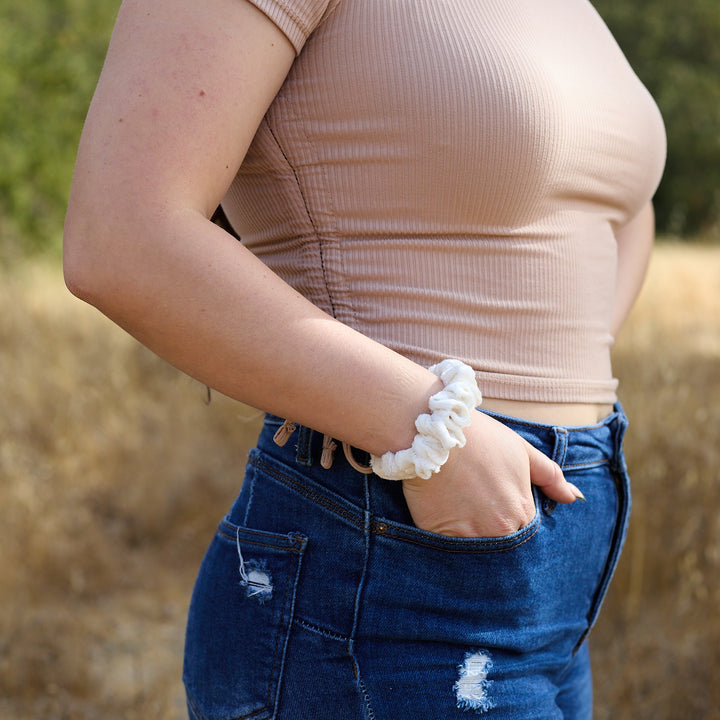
<point x="90" y="263"/>
<point x="76" y="258"/>
<point x="98" y="239"/>
<point x="74" y="272"/>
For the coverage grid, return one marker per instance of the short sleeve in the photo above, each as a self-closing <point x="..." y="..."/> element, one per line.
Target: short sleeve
<point x="296" y="18"/>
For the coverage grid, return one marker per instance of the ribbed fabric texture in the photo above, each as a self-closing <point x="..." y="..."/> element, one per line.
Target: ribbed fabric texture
<point x="445" y="176"/>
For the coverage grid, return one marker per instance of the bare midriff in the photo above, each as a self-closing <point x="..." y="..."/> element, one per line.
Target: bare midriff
<point x="569" y="414"/>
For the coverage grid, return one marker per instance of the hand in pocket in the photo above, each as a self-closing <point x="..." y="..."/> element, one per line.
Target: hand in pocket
<point x="485" y="488"/>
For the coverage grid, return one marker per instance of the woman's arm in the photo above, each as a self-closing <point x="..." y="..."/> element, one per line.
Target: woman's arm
<point x="184" y="88"/>
<point x="634" y="245"/>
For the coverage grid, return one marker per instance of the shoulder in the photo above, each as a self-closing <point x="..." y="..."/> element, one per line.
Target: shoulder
<point x="296" y="18"/>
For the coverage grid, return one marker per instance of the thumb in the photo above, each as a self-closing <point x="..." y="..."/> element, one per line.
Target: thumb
<point x="548" y="476"/>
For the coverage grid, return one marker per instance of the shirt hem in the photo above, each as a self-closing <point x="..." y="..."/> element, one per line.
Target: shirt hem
<point x="543" y="389"/>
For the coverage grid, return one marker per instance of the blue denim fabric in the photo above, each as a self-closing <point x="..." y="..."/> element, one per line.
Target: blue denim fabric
<point x="318" y="598"/>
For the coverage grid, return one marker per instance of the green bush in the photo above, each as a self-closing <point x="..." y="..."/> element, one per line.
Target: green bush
<point x="675" y="49"/>
<point x="53" y="53"/>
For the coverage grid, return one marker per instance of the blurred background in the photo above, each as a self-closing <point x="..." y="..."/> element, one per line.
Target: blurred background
<point x="114" y="470"/>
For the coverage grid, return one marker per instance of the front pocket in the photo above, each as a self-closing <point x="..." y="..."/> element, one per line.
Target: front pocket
<point x="239" y="623"/>
<point x="447" y="543"/>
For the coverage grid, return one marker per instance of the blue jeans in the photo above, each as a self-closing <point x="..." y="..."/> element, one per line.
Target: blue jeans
<point x="319" y="599"/>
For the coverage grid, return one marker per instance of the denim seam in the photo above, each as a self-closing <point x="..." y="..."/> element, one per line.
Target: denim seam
<point x="282" y="548"/>
<point x="361" y="582"/>
<point x="613" y="557"/>
<point x="582" y="466"/>
<point x="283" y="637"/>
<point x="366" y="698"/>
<point x="319" y="631"/>
<point x="250" y="499"/>
<point x="309" y="494"/>
<point x="287" y="622"/>
<point x="441" y="543"/>
<point x="358" y="596"/>
<point x="466" y="550"/>
<point x="293" y="548"/>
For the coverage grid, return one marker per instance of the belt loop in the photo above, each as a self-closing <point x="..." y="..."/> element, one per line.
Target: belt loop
<point x="304" y="449"/>
<point x="621" y="424"/>
<point x="561" y="443"/>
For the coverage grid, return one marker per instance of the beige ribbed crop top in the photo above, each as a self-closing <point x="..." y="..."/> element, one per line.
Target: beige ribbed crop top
<point x="445" y="176"/>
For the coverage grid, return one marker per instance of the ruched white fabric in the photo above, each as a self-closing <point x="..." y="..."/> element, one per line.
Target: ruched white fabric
<point x="439" y="431"/>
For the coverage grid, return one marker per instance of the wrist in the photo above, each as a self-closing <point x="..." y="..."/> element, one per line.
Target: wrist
<point x="437" y="431"/>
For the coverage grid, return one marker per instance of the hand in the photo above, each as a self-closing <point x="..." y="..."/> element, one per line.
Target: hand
<point x="485" y="488"/>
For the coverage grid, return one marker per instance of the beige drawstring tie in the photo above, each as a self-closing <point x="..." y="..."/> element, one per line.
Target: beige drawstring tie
<point x="364" y="469"/>
<point x="328" y="452"/>
<point x="329" y="446"/>
<point x="284" y="432"/>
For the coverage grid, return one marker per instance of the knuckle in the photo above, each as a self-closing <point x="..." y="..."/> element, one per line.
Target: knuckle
<point x="511" y="524"/>
<point x="506" y="526"/>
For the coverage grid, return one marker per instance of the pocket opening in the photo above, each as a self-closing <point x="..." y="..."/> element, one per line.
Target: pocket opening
<point x="472" y="545"/>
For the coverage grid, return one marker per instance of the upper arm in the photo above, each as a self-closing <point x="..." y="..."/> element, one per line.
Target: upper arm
<point x="183" y="90"/>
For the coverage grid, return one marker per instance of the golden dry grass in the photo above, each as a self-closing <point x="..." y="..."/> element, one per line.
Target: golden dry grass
<point x="657" y="644"/>
<point x="114" y="472"/>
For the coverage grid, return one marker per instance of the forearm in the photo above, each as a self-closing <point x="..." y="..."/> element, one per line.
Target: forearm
<point x="634" y="246"/>
<point x="200" y="300"/>
<point x="183" y="89"/>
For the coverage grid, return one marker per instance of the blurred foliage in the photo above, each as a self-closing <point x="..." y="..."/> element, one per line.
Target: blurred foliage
<point x="53" y="51"/>
<point x="52" y="54"/>
<point x="675" y="50"/>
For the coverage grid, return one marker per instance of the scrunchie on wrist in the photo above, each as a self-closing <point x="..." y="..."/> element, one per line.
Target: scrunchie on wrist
<point x="437" y="432"/>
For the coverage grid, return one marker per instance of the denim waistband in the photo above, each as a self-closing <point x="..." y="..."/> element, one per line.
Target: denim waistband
<point x="573" y="448"/>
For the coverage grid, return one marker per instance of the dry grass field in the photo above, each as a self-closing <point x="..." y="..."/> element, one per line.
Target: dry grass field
<point x="114" y="472"/>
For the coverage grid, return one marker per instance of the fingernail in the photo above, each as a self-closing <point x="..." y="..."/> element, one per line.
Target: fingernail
<point x="579" y="495"/>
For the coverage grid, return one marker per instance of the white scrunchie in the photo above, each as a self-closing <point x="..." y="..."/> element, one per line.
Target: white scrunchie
<point x="438" y="432"/>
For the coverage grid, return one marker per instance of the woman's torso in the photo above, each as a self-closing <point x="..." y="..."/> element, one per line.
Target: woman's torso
<point x="445" y="177"/>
